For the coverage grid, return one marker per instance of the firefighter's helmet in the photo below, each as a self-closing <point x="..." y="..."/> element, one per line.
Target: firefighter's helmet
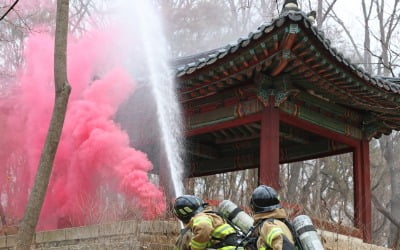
<point x="264" y="199"/>
<point x="186" y="206"/>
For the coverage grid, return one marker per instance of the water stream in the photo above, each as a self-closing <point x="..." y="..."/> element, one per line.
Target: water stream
<point x="154" y="49"/>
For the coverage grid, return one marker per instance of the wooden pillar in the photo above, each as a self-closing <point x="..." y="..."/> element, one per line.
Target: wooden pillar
<point x="362" y="189"/>
<point x="268" y="172"/>
<point x="367" y="191"/>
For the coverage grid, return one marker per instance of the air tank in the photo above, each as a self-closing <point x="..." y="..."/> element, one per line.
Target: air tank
<point x="307" y="233"/>
<point x="235" y="214"/>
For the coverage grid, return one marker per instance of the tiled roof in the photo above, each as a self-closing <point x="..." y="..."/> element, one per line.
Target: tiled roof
<point x="188" y="65"/>
<point x="395" y="80"/>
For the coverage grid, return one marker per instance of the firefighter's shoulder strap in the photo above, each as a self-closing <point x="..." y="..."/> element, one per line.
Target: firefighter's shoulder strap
<point x="287" y="244"/>
<point x="182" y="242"/>
<point x="183" y="231"/>
<point x="233" y="239"/>
<point x="250" y="240"/>
<point x="296" y="238"/>
<point x="237" y="229"/>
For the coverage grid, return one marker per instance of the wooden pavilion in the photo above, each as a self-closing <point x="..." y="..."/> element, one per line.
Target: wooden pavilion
<point x="280" y="95"/>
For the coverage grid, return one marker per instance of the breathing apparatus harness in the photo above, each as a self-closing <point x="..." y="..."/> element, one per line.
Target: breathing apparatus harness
<point x="250" y="240"/>
<point x="234" y="239"/>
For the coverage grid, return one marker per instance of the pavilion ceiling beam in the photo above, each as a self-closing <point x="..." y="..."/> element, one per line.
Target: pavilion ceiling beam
<point x="229" y="117"/>
<point x="319" y="120"/>
<point x="202" y="150"/>
<point x="244" y="132"/>
<point x="225" y="117"/>
<point x="314" y="156"/>
<point x="294" y="135"/>
<point x="327" y="106"/>
<point x="224" y="124"/>
<point x="227" y="133"/>
<point x="255" y="125"/>
<point x="239" y="158"/>
<point x="251" y="129"/>
<point x="240" y="147"/>
<point x="322" y="147"/>
<point x="218" y="135"/>
<point x="341" y="132"/>
<point x="224" y="164"/>
<point x="236" y="139"/>
<point x="244" y="92"/>
<point x="288" y="133"/>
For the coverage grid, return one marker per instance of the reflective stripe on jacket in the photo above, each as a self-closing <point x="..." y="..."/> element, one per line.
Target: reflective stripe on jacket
<point x="209" y="229"/>
<point x="272" y="231"/>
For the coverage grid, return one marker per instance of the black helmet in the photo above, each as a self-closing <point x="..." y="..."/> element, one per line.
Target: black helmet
<point x="186" y="206"/>
<point x="264" y="199"/>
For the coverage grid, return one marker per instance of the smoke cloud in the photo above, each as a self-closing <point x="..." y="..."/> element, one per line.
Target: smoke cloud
<point x="93" y="152"/>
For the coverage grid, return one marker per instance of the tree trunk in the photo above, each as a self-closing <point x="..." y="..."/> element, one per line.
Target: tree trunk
<point x="319" y="14"/>
<point x="293" y="183"/>
<point x="62" y="91"/>
<point x="390" y="153"/>
<point x="2" y="216"/>
<point x="367" y="41"/>
<point x="389" y="143"/>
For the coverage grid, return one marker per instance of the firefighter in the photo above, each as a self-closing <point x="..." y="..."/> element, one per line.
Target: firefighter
<point x="209" y="230"/>
<point x="269" y="219"/>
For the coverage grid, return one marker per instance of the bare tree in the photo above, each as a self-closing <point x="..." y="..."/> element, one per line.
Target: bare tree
<point x="193" y="22"/>
<point x="322" y="13"/>
<point x="384" y="57"/>
<point x="388" y="24"/>
<point x="390" y="149"/>
<point x="367" y="40"/>
<point x="62" y="91"/>
<point x="387" y="27"/>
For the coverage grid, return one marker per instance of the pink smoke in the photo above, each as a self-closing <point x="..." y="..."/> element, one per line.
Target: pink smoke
<point x="93" y="150"/>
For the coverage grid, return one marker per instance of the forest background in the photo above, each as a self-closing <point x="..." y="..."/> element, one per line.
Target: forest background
<point x="366" y="31"/>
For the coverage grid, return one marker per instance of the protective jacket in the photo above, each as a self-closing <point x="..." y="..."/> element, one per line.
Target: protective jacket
<point x="272" y="230"/>
<point x="183" y="240"/>
<point x="211" y="231"/>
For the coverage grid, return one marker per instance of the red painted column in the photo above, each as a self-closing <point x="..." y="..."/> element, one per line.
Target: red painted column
<point x="367" y="214"/>
<point x="362" y="189"/>
<point x="268" y="172"/>
<point x="357" y="177"/>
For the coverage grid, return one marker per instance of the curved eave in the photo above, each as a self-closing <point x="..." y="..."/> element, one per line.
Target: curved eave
<point x="187" y="66"/>
<point x="381" y="83"/>
<point x="292" y="45"/>
<point x="213" y="57"/>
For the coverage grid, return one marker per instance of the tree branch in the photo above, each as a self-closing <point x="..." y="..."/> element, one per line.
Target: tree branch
<point x="81" y="12"/>
<point x="330" y="6"/>
<point x="9" y="9"/>
<point x="384" y="211"/>
<point x="340" y="22"/>
<point x="388" y="67"/>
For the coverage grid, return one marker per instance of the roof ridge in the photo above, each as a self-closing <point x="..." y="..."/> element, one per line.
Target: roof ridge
<point x="189" y="64"/>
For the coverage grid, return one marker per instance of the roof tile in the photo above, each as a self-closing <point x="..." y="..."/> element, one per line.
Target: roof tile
<point x="211" y="57"/>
